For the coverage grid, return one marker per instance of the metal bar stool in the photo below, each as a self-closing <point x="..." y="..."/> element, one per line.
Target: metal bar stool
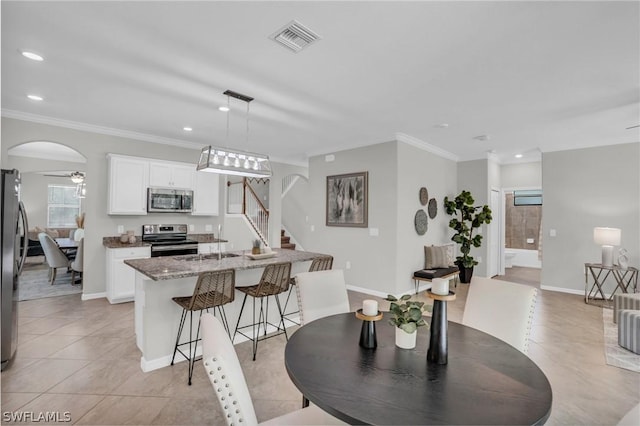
<point x="275" y="280"/>
<point x="318" y="264"/>
<point x="213" y="290"/>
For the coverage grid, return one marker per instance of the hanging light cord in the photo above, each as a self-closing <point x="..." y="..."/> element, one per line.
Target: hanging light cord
<point x="228" y="114"/>
<point x="246" y="143"/>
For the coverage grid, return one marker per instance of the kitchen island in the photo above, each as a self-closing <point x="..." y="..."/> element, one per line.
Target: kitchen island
<point x="158" y="279"/>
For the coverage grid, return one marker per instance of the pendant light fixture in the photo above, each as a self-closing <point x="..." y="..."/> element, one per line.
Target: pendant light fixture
<point x="232" y="161"/>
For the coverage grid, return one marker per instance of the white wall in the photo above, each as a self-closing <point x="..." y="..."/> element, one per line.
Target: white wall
<point x="373" y="259"/>
<point x="521" y="175"/>
<point x="418" y="168"/>
<point x="295" y="206"/>
<point x="473" y="176"/>
<point x="35" y="193"/>
<point x="584" y="189"/>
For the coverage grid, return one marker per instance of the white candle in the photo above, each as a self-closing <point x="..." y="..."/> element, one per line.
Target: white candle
<point x="370" y="308"/>
<point x="440" y="286"/>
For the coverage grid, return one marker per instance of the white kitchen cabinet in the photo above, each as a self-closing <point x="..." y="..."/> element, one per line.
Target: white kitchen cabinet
<point x="206" y="248"/>
<point x="206" y="194"/>
<point x="121" y="278"/>
<point x="128" y="182"/>
<point x="171" y="175"/>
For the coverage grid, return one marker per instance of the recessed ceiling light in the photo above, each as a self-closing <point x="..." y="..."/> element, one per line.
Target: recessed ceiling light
<point x="482" y="137"/>
<point x="441" y="125"/>
<point x="35" y="97"/>
<point x="31" y="55"/>
<point x="187" y="129"/>
<point x="223" y="108"/>
<point x="518" y="155"/>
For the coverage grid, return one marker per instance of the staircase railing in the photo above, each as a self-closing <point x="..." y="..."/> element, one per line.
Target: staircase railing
<point x="242" y="199"/>
<point x="256" y="212"/>
<point x="288" y="182"/>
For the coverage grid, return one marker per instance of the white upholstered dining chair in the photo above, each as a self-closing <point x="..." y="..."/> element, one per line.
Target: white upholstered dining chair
<point x="225" y="374"/>
<point x="54" y="256"/>
<point x="77" y="265"/>
<point x="502" y="309"/>
<point x="321" y="294"/>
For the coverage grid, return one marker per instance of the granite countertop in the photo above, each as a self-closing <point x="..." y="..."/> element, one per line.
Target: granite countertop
<point x="172" y="267"/>
<point x="114" y="242"/>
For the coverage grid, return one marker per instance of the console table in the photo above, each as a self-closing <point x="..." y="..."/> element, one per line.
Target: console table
<point x="626" y="280"/>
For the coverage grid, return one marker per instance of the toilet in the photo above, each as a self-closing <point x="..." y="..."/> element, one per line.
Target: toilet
<point x="508" y="258"/>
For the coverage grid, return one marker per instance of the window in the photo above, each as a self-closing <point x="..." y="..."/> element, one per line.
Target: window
<point x="527" y="198"/>
<point x="63" y="206"/>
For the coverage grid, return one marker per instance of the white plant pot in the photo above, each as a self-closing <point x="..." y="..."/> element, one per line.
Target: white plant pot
<point x="405" y="340"/>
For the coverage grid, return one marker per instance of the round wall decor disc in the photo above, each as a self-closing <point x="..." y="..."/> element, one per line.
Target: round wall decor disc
<point x="424" y="196"/>
<point x="421" y="222"/>
<point x="433" y="208"/>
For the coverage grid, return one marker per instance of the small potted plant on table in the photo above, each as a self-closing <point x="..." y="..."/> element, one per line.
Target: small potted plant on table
<point x="406" y="315"/>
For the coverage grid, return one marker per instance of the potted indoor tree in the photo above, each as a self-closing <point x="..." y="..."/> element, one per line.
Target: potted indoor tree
<point x="406" y="316"/>
<point x="467" y="218"/>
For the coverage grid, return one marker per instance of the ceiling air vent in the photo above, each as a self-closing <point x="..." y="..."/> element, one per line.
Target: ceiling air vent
<point x="294" y="36"/>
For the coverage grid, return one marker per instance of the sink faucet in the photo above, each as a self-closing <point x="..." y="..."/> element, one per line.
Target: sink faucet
<point x="219" y="243"/>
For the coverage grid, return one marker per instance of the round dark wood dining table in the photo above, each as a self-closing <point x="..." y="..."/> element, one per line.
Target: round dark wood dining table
<point x="486" y="381"/>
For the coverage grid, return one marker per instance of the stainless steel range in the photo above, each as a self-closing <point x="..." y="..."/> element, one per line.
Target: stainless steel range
<point x="168" y="240"/>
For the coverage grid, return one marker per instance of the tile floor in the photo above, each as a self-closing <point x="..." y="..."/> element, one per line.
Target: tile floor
<point x="80" y="357"/>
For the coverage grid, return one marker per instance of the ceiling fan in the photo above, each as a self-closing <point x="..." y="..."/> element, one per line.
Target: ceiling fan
<point x="76" y="177"/>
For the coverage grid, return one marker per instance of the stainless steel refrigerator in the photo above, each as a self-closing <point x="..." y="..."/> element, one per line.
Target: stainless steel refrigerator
<point x="14" y="252"/>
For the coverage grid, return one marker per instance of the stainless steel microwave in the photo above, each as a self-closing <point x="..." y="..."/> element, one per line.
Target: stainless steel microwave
<point x="164" y="200"/>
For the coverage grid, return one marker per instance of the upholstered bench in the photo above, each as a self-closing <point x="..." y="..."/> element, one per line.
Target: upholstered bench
<point x="625" y="301"/>
<point x="629" y="330"/>
<point x="430" y="274"/>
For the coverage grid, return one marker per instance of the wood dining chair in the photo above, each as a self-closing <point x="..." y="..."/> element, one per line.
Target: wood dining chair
<point x="77" y="265"/>
<point x="320" y="294"/>
<point x="502" y="309"/>
<point x="224" y="371"/>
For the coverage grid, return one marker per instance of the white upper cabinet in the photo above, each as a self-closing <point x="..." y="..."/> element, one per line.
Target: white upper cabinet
<point x="128" y="182"/>
<point x="206" y="194"/>
<point x="171" y="175"/>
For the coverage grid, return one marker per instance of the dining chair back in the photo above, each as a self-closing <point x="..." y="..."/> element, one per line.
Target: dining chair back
<point x="502" y="309"/>
<point x="321" y="293"/>
<point x="224" y="371"/>
<point x="77" y="265"/>
<point x="318" y="264"/>
<point x="53" y="255"/>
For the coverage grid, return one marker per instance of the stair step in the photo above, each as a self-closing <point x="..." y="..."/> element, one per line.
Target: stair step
<point x="285" y="240"/>
<point x="282" y="232"/>
<point x="288" y="246"/>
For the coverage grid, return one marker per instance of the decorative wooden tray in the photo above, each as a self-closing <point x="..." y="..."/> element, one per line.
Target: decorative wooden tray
<point x="261" y="255"/>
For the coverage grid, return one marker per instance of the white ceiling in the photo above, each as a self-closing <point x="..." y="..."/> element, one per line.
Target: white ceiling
<point x="534" y="76"/>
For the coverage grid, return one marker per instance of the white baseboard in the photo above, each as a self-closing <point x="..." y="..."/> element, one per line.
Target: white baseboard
<point x="562" y="289"/>
<point x="165" y="361"/>
<point x="91" y="296"/>
<point x="367" y="291"/>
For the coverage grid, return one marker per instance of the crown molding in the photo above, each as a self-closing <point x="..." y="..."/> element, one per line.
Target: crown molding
<point x="402" y="137"/>
<point x="92" y="128"/>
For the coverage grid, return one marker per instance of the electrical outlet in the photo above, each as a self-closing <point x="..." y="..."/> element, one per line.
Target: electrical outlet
<point x="192" y="227"/>
<point x="552" y="232"/>
<point x="208" y="228"/>
<point x="479" y="259"/>
<point x="347" y="265"/>
<point x="120" y="229"/>
<point x="313" y="228"/>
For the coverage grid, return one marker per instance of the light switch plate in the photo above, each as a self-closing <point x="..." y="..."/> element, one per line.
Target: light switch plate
<point x="552" y="232"/>
<point x="120" y="229"/>
<point x="208" y="228"/>
<point x="192" y="227"/>
<point x="373" y="232"/>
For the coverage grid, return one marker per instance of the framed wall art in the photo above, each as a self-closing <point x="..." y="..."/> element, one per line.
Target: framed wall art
<point x="348" y="199"/>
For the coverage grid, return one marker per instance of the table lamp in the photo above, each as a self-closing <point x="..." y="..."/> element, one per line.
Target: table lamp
<point x="607" y="238"/>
